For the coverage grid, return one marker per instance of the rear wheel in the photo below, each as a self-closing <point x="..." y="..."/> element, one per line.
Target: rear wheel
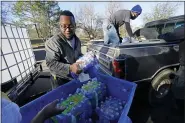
<point x="159" y="92"/>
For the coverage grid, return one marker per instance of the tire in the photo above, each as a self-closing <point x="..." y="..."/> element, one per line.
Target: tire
<point x="160" y="92"/>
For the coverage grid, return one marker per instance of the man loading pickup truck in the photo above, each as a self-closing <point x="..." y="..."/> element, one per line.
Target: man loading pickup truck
<point x="120" y="17"/>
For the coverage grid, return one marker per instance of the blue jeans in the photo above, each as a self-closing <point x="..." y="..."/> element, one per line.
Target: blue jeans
<point x="110" y="34"/>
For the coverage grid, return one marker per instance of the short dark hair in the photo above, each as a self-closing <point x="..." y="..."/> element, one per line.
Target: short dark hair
<point x="67" y="13"/>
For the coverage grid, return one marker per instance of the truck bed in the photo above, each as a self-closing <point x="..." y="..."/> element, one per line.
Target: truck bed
<point x="135" y="59"/>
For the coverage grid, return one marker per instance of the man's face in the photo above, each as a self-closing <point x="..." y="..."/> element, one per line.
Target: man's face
<point x="67" y="26"/>
<point x="134" y="15"/>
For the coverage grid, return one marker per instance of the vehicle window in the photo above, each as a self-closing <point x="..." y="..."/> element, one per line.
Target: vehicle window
<point x="159" y="28"/>
<point x="179" y="24"/>
<point x="169" y="27"/>
<point x="151" y="27"/>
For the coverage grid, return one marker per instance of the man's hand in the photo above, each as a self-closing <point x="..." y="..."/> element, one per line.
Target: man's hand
<point x="48" y="111"/>
<point x="51" y="109"/>
<point x="75" y="68"/>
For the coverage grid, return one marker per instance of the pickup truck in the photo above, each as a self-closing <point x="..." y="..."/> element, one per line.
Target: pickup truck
<point x="149" y="60"/>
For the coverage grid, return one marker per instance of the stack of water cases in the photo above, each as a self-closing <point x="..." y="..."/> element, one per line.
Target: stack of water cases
<point x="79" y="106"/>
<point x="78" y="109"/>
<point x="110" y="110"/>
<point x="95" y="91"/>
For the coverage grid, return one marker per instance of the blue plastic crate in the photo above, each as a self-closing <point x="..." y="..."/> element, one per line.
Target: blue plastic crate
<point x="118" y="88"/>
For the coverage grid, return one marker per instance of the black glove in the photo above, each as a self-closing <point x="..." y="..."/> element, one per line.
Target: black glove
<point x="48" y="111"/>
<point x="120" y="39"/>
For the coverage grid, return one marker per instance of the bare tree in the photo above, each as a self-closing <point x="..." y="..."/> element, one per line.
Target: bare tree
<point x="5" y="11"/>
<point x="112" y="7"/>
<point x="161" y="10"/>
<point x="88" y="20"/>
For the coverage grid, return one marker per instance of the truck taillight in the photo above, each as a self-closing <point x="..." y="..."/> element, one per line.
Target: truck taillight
<point x="118" y="72"/>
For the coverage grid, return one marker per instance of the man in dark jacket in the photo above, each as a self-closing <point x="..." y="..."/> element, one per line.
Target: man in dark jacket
<point x="120" y="17"/>
<point x="62" y="51"/>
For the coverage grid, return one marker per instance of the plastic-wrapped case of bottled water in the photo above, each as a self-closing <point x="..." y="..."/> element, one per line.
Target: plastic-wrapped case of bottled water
<point x="110" y="110"/>
<point x="76" y="109"/>
<point x="95" y="91"/>
<point x="87" y="59"/>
